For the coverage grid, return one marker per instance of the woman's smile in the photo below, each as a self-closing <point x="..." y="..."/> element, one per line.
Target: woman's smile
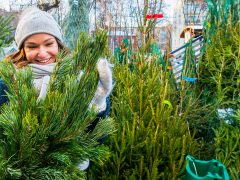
<point x="41" y="48"/>
<point x="43" y="61"/>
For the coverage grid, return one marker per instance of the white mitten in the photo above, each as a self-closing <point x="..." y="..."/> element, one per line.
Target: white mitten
<point x="104" y="87"/>
<point x="84" y="165"/>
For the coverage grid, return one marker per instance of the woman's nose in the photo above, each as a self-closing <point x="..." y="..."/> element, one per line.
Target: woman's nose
<point x="42" y="53"/>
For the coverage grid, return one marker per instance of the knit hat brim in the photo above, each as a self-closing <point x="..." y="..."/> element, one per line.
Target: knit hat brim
<point x="34" y="21"/>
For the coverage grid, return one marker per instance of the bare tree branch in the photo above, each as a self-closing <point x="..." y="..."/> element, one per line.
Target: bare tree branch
<point x="46" y="5"/>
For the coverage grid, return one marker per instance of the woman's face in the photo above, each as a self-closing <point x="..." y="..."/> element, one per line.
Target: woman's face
<point x="41" y="48"/>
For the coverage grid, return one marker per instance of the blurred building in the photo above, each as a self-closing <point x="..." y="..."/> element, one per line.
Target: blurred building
<point x="160" y="34"/>
<point x="163" y="37"/>
<point x="189" y="16"/>
<point x="116" y="35"/>
<point x="122" y="20"/>
<point x="14" y="14"/>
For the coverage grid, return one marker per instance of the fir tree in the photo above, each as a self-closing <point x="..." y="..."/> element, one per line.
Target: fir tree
<point x="6" y="30"/>
<point x="219" y="67"/>
<point x="46" y="139"/>
<point x="219" y="78"/>
<point x="227" y="146"/>
<point x="76" y="21"/>
<point x="152" y="139"/>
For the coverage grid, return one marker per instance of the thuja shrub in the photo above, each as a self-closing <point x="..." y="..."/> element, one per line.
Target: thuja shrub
<point x="152" y="138"/>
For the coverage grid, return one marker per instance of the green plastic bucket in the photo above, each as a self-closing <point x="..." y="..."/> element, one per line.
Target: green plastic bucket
<point x="205" y="170"/>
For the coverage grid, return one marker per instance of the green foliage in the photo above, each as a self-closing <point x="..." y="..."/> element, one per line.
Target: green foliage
<point x="189" y="71"/>
<point x="189" y="65"/>
<point x="219" y="13"/>
<point x="76" y="21"/>
<point x="152" y="139"/>
<point x="146" y="26"/>
<point x="5" y="31"/>
<point x="46" y="139"/>
<point x="197" y="111"/>
<point x="227" y="143"/>
<point x="219" y="77"/>
<point x="219" y="68"/>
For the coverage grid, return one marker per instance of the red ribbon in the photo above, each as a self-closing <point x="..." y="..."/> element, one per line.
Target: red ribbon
<point x="154" y="16"/>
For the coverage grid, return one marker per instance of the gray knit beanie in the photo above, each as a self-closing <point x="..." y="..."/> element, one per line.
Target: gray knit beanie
<point x="33" y="21"/>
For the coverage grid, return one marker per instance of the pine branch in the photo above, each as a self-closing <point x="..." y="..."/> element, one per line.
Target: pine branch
<point x="46" y="139"/>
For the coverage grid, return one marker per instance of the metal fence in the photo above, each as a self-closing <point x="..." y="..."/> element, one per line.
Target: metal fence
<point x="177" y="60"/>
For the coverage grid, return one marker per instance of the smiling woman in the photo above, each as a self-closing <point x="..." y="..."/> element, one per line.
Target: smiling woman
<point x="39" y="40"/>
<point x="81" y="93"/>
<point x="38" y="37"/>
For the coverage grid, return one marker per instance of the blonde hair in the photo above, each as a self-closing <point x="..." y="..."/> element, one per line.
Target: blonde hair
<point x="19" y="59"/>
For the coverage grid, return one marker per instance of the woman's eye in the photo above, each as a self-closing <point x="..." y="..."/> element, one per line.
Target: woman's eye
<point x="31" y="47"/>
<point x="49" y="44"/>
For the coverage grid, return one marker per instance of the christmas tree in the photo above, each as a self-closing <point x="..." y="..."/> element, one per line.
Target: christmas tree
<point x="76" y="21"/>
<point x="6" y="36"/>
